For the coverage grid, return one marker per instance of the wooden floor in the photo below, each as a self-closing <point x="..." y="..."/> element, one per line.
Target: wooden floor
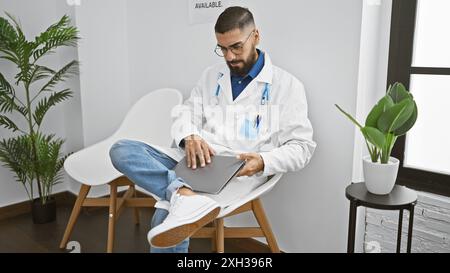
<point x="19" y="234"/>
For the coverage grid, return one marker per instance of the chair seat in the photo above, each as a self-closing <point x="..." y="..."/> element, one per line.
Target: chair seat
<point x="244" y="195"/>
<point x="92" y="166"/>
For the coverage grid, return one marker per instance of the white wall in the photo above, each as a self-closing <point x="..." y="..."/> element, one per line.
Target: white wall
<point x="317" y="41"/>
<point x="164" y="50"/>
<point x="63" y="120"/>
<point x="103" y="53"/>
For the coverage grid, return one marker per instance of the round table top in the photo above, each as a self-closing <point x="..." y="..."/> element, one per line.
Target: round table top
<point x="399" y="197"/>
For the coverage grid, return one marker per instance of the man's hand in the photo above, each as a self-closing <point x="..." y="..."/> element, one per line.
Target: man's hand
<point x="253" y="164"/>
<point x="195" y="147"/>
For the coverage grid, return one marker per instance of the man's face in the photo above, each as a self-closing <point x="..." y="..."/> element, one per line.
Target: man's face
<point x="241" y="63"/>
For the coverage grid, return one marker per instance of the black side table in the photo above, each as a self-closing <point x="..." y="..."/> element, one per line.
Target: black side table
<point x="400" y="198"/>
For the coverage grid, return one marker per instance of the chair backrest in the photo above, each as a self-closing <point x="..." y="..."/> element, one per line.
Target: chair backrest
<point x="148" y="120"/>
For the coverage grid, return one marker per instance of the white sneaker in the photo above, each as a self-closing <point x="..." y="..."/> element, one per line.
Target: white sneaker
<point x="187" y="214"/>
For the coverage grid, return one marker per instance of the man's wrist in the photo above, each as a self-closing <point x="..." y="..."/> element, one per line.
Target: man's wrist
<point x="183" y="141"/>
<point x="193" y="137"/>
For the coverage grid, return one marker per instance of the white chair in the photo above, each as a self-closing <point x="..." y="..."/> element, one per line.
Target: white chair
<point x="92" y="167"/>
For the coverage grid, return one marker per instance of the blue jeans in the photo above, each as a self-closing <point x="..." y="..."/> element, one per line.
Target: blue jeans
<point x="151" y="170"/>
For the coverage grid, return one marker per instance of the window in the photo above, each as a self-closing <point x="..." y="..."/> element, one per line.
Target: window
<point x="419" y="57"/>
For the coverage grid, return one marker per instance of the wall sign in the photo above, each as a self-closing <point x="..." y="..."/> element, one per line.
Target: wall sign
<point x="201" y="11"/>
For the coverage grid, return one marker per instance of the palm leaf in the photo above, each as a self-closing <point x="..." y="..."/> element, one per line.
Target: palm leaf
<point x="44" y="105"/>
<point x="9" y="56"/>
<point x="7" y="103"/>
<point x="40" y="72"/>
<point x="59" y="34"/>
<point x="22" y="50"/>
<point x="5" y="86"/>
<point x="16" y="24"/>
<point x="49" y="161"/>
<point x="62" y="23"/>
<point x="22" y="110"/>
<point x="16" y="155"/>
<point x="69" y="69"/>
<point x="7" y="95"/>
<point x="7" y="123"/>
<point x="8" y="98"/>
<point x="7" y="34"/>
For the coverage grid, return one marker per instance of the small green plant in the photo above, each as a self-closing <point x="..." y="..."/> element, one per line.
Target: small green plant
<point x="34" y="157"/>
<point x="393" y="116"/>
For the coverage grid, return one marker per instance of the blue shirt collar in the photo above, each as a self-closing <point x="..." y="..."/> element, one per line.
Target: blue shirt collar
<point x="256" y="68"/>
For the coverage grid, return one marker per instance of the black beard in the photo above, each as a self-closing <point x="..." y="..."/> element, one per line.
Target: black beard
<point x="247" y="65"/>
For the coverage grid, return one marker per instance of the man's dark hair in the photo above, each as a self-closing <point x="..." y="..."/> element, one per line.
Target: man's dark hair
<point x="234" y="18"/>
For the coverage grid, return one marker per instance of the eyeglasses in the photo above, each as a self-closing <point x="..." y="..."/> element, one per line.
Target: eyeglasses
<point x="237" y="49"/>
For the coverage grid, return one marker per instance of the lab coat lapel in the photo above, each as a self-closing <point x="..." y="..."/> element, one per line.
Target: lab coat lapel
<point x="265" y="76"/>
<point x="225" y="85"/>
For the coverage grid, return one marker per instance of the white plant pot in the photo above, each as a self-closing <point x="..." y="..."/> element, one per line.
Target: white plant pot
<point x="380" y="178"/>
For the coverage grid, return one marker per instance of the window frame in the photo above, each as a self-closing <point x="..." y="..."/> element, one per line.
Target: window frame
<point x="400" y="69"/>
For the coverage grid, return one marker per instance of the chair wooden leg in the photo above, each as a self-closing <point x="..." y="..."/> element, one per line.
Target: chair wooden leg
<point x="213" y="239"/>
<point x="84" y="190"/>
<point x="112" y="216"/>
<point x="136" y="209"/>
<point x="260" y="215"/>
<point x="220" y="235"/>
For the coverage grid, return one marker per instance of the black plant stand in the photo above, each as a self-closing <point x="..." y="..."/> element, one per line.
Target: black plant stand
<point x="400" y="198"/>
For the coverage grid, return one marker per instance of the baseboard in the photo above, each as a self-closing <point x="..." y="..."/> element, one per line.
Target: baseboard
<point x="62" y="198"/>
<point x="10" y="211"/>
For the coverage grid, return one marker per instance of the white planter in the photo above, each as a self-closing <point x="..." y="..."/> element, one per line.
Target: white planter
<point x="380" y="178"/>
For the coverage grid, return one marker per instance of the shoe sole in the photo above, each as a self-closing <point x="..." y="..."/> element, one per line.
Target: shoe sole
<point x="174" y="236"/>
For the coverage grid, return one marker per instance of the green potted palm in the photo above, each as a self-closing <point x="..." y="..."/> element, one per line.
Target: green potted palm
<point x="393" y="116"/>
<point x="34" y="157"/>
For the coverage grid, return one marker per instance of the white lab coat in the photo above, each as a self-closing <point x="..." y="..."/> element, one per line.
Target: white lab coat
<point x="287" y="146"/>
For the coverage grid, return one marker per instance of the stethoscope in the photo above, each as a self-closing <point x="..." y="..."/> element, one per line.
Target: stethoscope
<point x="264" y="96"/>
